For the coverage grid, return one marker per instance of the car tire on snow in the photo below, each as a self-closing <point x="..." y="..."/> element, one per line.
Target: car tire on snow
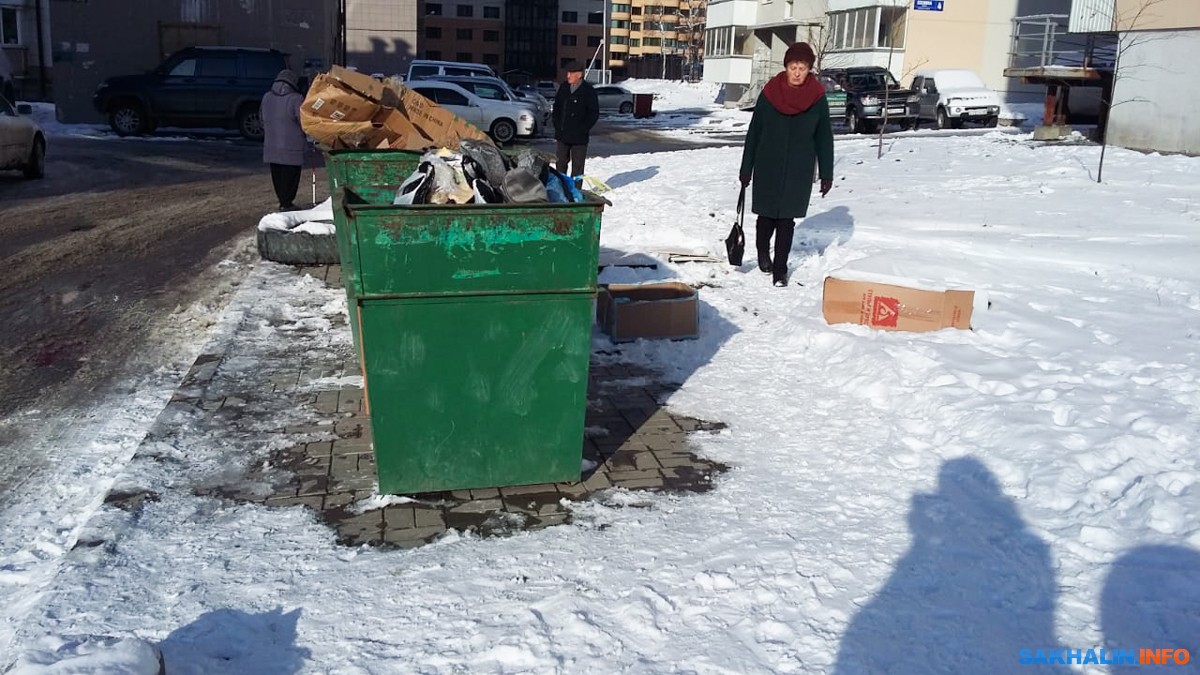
<point x="297" y="248"/>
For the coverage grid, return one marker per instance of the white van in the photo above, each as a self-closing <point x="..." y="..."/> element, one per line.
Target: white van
<point x="420" y="68"/>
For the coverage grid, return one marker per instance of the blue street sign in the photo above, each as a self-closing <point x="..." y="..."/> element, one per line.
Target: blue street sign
<point x="931" y="5"/>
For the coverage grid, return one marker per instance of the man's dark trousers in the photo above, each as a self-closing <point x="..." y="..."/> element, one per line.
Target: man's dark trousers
<point x="577" y="154"/>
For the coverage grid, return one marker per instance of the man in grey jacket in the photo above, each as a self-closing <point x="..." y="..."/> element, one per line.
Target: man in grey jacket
<point x="284" y="142"/>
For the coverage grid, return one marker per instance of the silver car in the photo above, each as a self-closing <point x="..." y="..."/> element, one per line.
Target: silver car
<point x="22" y="143"/>
<point x="612" y="97"/>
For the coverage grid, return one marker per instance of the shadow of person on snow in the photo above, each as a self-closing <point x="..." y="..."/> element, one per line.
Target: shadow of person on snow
<point x="232" y="641"/>
<point x="975" y="588"/>
<point x="630" y="177"/>
<point x="819" y="231"/>
<point x="1151" y="600"/>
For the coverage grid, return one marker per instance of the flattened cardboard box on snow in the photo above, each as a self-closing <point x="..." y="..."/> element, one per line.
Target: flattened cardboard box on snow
<point x="893" y="307"/>
<point x="345" y="109"/>
<point x="665" y="310"/>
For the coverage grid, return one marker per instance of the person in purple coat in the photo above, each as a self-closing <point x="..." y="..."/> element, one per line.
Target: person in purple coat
<point x="284" y="142"/>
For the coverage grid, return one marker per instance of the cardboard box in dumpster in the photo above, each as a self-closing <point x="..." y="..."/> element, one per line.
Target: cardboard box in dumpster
<point x="348" y="109"/>
<point x="895" y="307"/>
<point x="653" y="311"/>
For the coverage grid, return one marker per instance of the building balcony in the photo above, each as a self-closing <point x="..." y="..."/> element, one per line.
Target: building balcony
<point x="621" y="15"/>
<point x="618" y="32"/>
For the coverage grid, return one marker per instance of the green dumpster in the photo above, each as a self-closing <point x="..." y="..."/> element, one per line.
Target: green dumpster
<point x="475" y="324"/>
<point x="374" y="175"/>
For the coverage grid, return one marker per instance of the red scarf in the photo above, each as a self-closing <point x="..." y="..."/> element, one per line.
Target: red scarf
<point x="791" y="100"/>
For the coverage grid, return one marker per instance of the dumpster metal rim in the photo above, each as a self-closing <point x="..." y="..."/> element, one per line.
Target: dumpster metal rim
<point x="476" y="294"/>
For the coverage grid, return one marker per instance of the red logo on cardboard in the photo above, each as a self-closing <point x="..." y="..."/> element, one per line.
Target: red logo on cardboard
<point x="885" y="311"/>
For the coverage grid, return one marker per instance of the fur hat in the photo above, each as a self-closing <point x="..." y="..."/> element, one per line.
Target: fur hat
<point x="800" y="52"/>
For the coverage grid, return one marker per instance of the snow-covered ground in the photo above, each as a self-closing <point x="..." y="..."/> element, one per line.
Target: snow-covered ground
<point x="899" y="502"/>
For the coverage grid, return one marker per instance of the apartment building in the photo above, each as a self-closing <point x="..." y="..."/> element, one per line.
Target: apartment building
<point x="380" y="35"/>
<point x="470" y="31"/>
<point x="657" y="38"/>
<point x="25" y="40"/>
<point x="746" y="39"/>
<point x="1153" y="89"/>
<point x="581" y="32"/>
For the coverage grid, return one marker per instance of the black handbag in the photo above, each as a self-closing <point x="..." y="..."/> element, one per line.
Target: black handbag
<point x="735" y="243"/>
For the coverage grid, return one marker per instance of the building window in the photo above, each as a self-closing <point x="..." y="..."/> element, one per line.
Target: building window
<point x="464" y="34"/>
<point x="635" y="26"/>
<point x="570" y="17"/>
<point x="868" y="28"/>
<point x="464" y="57"/>
<point x="635" y="42"/>
<point x="619" y="7"/>
<point x="433" y="32"/>
<point x="637" y="11"/>
<point x="596" y="18"/>
<point x="619" y="40"/>
<point x="9" y="35"/>
<point x="594" y="40"/>
<point x="491" y="59"/>
<point x="466" y="11"/>
<point x="650" y="42"/>
<point x="619" y="23"/>
<point x="433" y="9"/>
<point x="569" y="40"/>
<point x="491" y="36"/>
<point x="435" y="54"/>
<point x="564" y="62"/>
<point x="491" y="12"/>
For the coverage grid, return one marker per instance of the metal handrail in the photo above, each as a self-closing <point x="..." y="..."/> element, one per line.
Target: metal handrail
<point x="1044" y="40"/>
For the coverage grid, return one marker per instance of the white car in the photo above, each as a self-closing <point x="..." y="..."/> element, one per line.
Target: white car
<point x="502" y="120"/>
<point x="948" y="97"/>
<point x="22" y="143"/>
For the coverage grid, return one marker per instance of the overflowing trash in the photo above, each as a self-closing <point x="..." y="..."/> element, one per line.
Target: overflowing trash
<point x="479" y="173"/>
<point x="345" y="109"/>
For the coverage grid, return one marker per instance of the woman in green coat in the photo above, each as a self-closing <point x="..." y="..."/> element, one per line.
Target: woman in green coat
<point x="790" y="135"/>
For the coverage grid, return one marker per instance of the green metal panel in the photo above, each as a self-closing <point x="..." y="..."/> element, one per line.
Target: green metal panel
<point x="477" y="391"/>
<point x="374" y="175"/>
<point x="487" y="248"/>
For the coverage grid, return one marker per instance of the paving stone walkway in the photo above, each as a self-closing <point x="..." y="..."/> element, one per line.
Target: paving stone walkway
<point x="631" y="442"/>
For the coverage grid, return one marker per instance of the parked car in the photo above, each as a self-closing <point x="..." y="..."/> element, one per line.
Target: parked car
<point x="496" y="89"/>
<point x="835" y="96"/>
<point x="22" y="143"/>
<point x="870" y="92"/>
<point x="502" y="120"/>
<point x="950" y="97"/>
<point x="547" y="88"/>
<point x="194" y="87"/>
<point x="530" y="92"/>
<point x="612" y="97"/>
<point x="420" y="68"/>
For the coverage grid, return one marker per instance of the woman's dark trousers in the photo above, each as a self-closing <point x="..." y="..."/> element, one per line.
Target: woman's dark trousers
<point x="783" y="229"/>
<point x="286" y="179"/>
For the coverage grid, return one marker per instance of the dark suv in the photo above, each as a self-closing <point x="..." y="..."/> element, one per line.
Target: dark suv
<point x="870" y="90"/>
<point x="194" y="87"/>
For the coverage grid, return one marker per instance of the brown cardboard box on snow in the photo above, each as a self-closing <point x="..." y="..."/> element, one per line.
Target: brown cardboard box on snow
<point x="344" y="108"/>
<point x="894" y="307"/>
<point x="653" y="311"/>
